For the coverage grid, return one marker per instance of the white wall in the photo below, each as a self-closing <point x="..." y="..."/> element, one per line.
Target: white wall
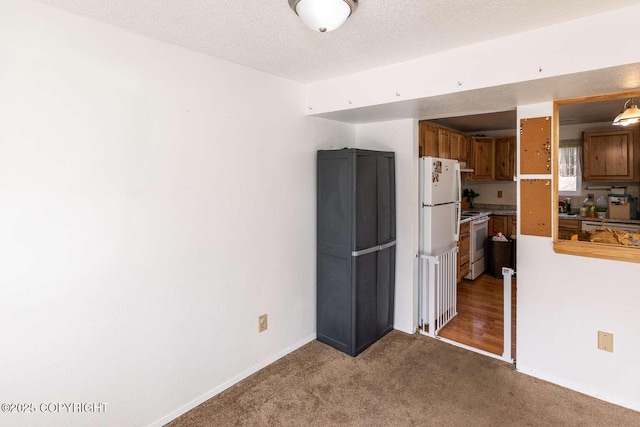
<point x="401" y="137"/>
<point x="563" y="301"/>
<point x="153" y="202"/>
<point x="559" y="311"/>
<point x="575" y="131"/>
<point x="567" y="48"/>
<point x="488" y="192"/>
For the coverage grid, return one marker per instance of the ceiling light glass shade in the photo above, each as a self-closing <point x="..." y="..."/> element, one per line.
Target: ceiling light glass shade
<point x="629" y="116"/>
<point x="323" y="15"/>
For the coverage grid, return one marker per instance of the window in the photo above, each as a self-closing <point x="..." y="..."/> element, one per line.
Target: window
<point x="569" y="171"/>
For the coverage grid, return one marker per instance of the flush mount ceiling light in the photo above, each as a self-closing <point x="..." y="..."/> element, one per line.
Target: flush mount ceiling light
<point x="628" y="116"/>
<point x="323" y="15"/>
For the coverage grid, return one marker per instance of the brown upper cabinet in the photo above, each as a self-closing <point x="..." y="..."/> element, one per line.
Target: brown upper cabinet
<point x="428" y="140"/>
<point x="505" y="158"/>
<point x="459" y="147"/>
<point x="483" y="159"/>
<point x="437" y="141"/>
<point x="609" y="156"/>
<point x="444" y="143"/>
<point x="491" y="158"/>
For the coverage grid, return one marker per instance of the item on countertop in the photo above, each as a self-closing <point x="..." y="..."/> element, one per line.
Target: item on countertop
<point x="590" y="204"/>
<point x="613" y="237"/>
<point x="500" y="237"/>
<point x="583" y="211"/>
<point x="469" y="194"/>
<point x="622" y="206"/>
<point x="567" y="205"/>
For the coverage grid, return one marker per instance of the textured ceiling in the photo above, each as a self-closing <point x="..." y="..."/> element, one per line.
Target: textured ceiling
<point x="268" y="36"/>
<point x="600" y="111"/>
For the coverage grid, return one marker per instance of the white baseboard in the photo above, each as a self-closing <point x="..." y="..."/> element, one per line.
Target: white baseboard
<point x="616" y="400"/>
<point x="472" y="349"/>
<point x="208" y="395"/>
<point x="405" y="329"/>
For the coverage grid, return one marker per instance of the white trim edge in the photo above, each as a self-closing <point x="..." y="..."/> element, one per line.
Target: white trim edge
<point x="222" y="387"/>
<point x="404" y="329"/>
<point x="469" y="348"/>
<point x="616" y="400"/>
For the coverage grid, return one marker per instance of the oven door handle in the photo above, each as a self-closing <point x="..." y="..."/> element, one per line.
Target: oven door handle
<point x="481" y="221"/>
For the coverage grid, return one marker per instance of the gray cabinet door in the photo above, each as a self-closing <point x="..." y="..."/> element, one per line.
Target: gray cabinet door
<point x="386" y="199"/>
<point x="335" y="202"/>
<point x="385" y="279"/>
<point x="366" y="195"/>
<point x="366" y="277"/>
<point x="334" y="307"/>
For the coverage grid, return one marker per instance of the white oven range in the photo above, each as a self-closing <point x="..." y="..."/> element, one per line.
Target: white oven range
<point x="479" y="230"/>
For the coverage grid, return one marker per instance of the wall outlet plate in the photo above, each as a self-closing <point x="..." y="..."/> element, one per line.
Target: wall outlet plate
<point x="262" y="323"/>
<point x="605" y="341"/>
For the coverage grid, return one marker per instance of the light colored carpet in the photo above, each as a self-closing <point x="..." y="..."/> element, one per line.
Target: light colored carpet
<point x="402" y="380"/>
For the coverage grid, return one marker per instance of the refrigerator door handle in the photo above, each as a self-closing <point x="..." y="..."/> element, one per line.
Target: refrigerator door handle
<point x="456" y="234"/>
<point x="374" y="248"/>
<point x="458" y="182"/>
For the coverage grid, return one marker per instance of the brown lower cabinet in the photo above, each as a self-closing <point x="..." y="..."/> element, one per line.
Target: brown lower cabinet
<point x="505" y="224"/>
<point x="464" y="248"/>
<point x="567" y="228"/>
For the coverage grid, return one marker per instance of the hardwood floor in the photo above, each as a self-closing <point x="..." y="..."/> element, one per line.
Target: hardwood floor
<point x="480" y="322"/>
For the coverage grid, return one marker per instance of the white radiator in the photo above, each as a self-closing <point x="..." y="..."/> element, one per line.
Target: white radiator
<point x="438" y="287"/>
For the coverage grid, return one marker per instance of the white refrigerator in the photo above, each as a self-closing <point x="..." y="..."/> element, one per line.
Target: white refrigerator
<point x="440" y="207"/>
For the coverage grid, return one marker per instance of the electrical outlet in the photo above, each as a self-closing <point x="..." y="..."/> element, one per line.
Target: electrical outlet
<point x="605" y="341"/>
<point x="262" y="323"/>
<point x="499" y="194"/>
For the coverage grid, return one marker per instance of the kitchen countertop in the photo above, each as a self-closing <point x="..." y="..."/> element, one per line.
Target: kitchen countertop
<point x="504" y="212"/>
<point x="571" y="216"/>
<point x="605" y="220"/>
<point x="500" y="210"/>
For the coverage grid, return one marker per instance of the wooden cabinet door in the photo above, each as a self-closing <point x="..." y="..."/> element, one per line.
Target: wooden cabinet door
<point x="608" y="156"/>
<point x="567" y="228"/>
<point x="513" y="225"/>
<point x="458" y="147"/>
<point x="498" y="224"/>
<point x="444" y="143"/>
<point x="428" y="140"/>
<point x="483" y="152"/>
<point x="505" y="158"/>
<point x="464" y="250"/>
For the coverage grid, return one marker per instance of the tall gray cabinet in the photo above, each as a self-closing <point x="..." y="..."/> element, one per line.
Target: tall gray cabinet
<point x="356" y="247"/>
